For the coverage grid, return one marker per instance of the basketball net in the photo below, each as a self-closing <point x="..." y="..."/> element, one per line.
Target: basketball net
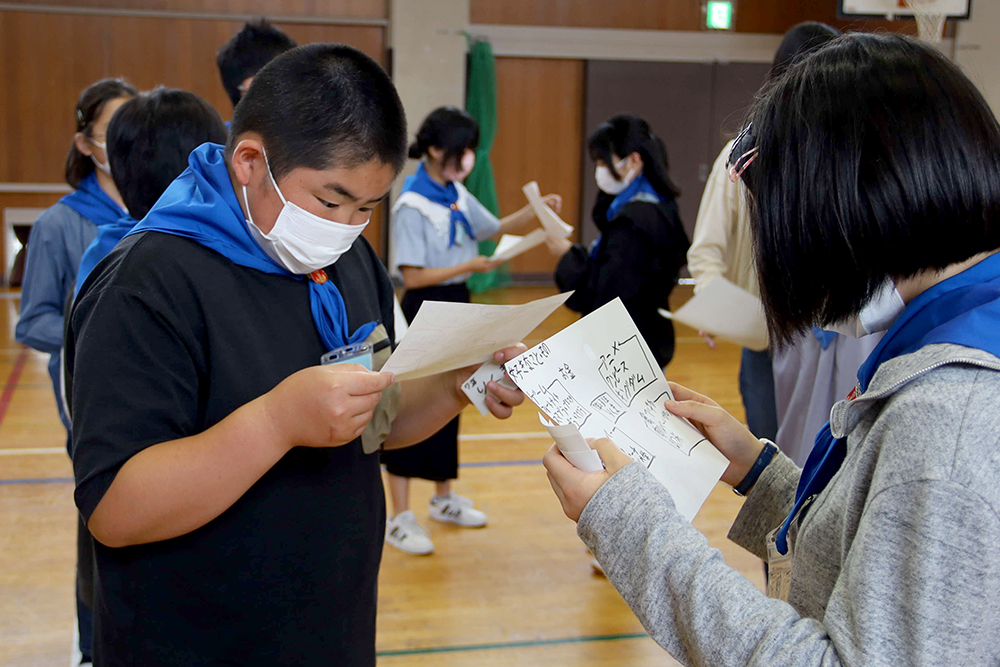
<point x="930" y="22"/>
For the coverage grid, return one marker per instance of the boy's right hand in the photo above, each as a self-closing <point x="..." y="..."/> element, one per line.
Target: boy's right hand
<point x="324" y="406"/>
<point x="482" y="264"/>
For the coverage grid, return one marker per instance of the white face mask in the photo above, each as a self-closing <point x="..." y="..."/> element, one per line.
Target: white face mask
<point x="466" y="165"/>
<point x="301" y="241"/>
<point x="607" y="182"/>
<point x="103" y="166"/>
<point x="877" y="316"/>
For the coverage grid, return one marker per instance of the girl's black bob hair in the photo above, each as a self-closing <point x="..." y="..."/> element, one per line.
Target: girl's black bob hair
<point x="877" y="160"/>
<point x="88" y="108"/>
<point x="447" y="128"/>
<point x="625" y="134"/>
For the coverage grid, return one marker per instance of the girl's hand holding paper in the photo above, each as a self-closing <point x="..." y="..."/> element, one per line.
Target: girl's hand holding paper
<point x="573" y="486"/>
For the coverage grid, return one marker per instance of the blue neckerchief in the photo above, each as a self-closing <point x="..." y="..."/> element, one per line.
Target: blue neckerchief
<point x="93" y="203"/>
<point x="107" y="238"/>
<point x="824" y="337"/>
<point x="201" y="205"/>
<point x="962" y="310"/>
<point x="640" y="188"/>
<point x="445" y="195"/>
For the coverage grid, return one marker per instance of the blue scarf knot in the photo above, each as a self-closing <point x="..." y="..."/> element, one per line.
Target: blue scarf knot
<point x="640" y="188"/>
<point x="201" y="205"/>
<point x="962" y="310"/>
<point x="445" y="195"/>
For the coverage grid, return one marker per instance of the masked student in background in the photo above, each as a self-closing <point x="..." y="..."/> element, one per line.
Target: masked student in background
<point x="230" y="480"/>
<point x="57" y="242"/>
<point x="436" y="228"/>
<point x="642" y="245"/>
<point x="149" y="142"/>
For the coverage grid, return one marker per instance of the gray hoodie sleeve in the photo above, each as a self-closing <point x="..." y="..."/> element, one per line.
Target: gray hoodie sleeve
<point x="768" y="503"/>
<point x="915" y="588"/>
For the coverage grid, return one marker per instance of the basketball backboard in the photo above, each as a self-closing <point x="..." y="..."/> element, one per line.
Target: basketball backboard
<point x="897" y="9"/>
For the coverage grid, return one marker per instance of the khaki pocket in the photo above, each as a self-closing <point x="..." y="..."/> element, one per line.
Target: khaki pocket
<point x="385" y="412"/>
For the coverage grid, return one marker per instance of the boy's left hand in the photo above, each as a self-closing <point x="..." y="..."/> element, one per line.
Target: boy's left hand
<point x="500" y="400"/>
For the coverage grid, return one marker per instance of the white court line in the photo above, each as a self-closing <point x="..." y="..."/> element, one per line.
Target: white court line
<point x="505" y="436"/>
<point x="32" y="451"/>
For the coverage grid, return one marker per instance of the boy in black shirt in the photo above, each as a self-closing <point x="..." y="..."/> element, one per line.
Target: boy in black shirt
<point x="229" y="480"/>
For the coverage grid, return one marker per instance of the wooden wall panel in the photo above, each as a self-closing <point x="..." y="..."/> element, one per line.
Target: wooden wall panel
<point x="354" y="9"/>
<point x="767" y="16"/>
<point x="540" y="137"/>
<point x="41" y="84"/>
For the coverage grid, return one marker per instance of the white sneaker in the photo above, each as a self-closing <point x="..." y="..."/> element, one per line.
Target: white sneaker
<point x="403" y="532"/>
<point x="456" y="509"/>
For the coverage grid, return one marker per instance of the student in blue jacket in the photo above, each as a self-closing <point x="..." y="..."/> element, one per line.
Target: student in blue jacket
<point x="57" y="242"/>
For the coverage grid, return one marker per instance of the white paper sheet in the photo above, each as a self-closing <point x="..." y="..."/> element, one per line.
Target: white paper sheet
<point x="445" y="336"/>
<point x="727" y="311"/>
<point x="573" y="446"/>
<point x="599" y="375"/>
<point x="510" y="245"/>
<point x="475" y="386"/>
<point x="551" y="222"/>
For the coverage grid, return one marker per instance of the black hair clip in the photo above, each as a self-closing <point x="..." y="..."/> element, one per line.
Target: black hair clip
<point x="742" y="154"/>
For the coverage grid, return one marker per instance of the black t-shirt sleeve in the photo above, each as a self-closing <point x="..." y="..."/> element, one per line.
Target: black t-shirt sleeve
<point x="136" y="384"/>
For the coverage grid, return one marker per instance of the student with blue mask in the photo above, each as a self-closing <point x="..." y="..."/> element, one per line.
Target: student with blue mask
<point x="873" y="169"/>
<point x="230" y="480"/>
<point x="149" y="141"/>
<point x="642" y="245"/>
<point x="436" y="228"/>
<point x="57" y="242"/>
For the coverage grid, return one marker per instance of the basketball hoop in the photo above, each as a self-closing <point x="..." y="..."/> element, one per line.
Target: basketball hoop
<point x="930" y="18"/>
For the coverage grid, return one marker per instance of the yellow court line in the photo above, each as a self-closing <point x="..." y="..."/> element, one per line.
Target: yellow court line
<point x="504" y="436"/>
<point x="32" y="451"/>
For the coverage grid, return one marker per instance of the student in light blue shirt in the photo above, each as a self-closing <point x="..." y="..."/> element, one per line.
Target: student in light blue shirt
<point x="436" y="228"/>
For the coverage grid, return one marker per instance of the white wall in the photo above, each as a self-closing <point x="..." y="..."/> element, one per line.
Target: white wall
<point x="428" y="56"/>
<point x="977" y="49"/>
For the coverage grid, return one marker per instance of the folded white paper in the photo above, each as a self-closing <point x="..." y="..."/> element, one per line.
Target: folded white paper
<point x="510" y="245"/>
<point x="551" y="222"/>
<point x="727" y="311"/>
<point x="445" y="336"/>
<point x="573" y="446"/>
<point x="475" y="386"/>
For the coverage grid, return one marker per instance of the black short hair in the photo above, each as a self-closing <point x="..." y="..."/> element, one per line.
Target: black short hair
<point x="255" y="45"/>
<point x="150" y="139"/>
<point x="321" y="105"/>
<point x="877" y="159"/>
<point x="89" y="106"/>
<point x="450" y="129"/>
<point x="798" y="42"/>
<point x="625" y="134"/>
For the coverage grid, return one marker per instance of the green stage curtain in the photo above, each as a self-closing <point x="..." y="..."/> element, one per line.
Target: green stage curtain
<point x="481" y="103"/>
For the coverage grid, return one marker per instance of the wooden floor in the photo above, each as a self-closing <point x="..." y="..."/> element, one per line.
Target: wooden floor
<point x="519" y="592"/>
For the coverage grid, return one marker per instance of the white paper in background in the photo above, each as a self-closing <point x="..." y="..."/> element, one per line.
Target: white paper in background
<point x="510" y="245"/>
<point x="551" y="222"/>
<point x="599" y="375"/>
<point x="475" y="386"/>
<point x="727" y="311"/>
<point x="573" y="446"/>
<point x="445" y="336"/>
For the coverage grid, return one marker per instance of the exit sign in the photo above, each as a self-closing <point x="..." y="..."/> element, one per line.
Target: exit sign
<point x="719" y="14"/>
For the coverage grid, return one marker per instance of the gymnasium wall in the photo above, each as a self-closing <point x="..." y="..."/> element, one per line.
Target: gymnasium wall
<point x="47" y="57"/>
<point x="49" y="52"/>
